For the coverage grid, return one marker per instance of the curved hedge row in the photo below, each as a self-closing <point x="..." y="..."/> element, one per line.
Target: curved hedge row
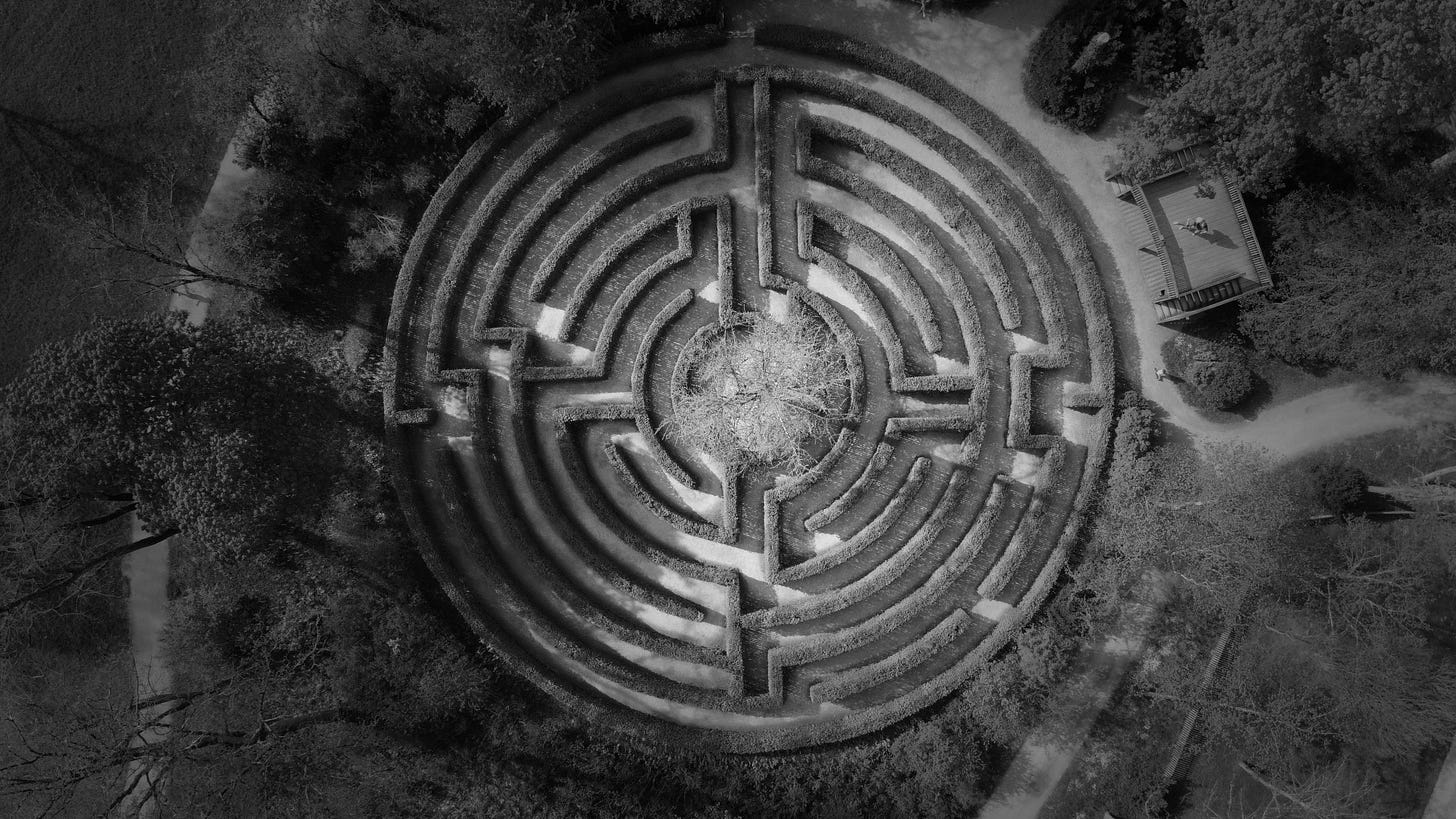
<point x="983" y="176"/>
<point x="840" y="553"/>
<point x="947" y="499"/>
<point x="715" y="158"/>
<point x="902" y="284"/>
<point x="940" y="193"/>
<point x="680" y="215"/>
<point x="993" y="509"/>
<point x="652" y="336"/>
<point x="856" y="490"/>
<point x="630" y="478"/>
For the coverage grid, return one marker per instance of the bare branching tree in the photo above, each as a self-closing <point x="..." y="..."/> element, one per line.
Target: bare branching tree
<point x="147" y="220"/>
<point x="762" y="391"/>
<point x="100" y="752"/>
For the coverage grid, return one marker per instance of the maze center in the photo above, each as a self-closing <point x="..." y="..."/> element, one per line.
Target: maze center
<point x="751" y="397"/>
<point x="761" y="392"/>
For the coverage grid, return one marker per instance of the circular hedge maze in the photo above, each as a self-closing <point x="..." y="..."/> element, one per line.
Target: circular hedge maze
<point x="563" y="287"/>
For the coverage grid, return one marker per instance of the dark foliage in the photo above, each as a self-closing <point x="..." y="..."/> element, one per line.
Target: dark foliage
<point x="228" y="432"/>
<point x="1362" y="281"/>
<point x="1338" y="487"/>
<point x="1369" y="84"/>
<point x="359" y="120"/>
<point x="1093" y="49"/>
<point x="292" y="243"/>
<point x="1212" y="373"/>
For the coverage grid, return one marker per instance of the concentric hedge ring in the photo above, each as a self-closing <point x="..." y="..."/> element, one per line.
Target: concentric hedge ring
<point x="537" y="334"/>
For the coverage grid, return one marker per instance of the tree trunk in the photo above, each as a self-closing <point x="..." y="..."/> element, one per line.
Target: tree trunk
<point x="106" y="518"/>
<point x="73" y="142"/>
<point x="325" y="548"/>
<point x="1275" y="789"/>
<point x="1430" y="477"/>
<point x="78" y="571"/>
<point x="274" y="726"/>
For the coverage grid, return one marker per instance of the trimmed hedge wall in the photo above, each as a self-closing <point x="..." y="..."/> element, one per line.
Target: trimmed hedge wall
<point x="633" y="482"/>
<point x="824" y="517"/>
<point x="887" y="571"/>
<point x="652" y="336"/>
<point x="586" y="287"/>
<point x="924" y="648"/>
<point x="1030" y="168"/>
<point x="716" y="158"/>
<point x="902" y="283"/>
<point x="992" y="510"/>
<point x="941" y="194"/>
<point x="905" y="492"/>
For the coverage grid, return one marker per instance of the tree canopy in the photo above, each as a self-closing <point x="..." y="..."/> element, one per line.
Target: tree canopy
<point x="225" y="432"/>
<point x="1361" y="281"/>
<point x="1359" y="82"/>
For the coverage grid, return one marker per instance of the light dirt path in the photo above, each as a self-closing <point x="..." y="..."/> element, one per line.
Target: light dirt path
<point x="1442" y="803"/>
<point x="148" y="570"/>
<point x="1331" y="415"/>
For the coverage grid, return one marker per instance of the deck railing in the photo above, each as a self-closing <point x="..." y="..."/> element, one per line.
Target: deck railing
<point x="1251" y="242"/>
<point x="1170" y="284"/>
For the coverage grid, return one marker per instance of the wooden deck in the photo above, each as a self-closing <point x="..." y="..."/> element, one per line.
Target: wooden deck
<point x="1184" y="272"/>
<point x="1198" y="261"/>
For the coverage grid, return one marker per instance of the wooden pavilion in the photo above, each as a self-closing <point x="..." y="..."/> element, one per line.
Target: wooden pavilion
<point x="1196" y="246"/>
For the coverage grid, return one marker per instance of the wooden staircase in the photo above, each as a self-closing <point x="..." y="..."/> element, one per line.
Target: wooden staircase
<point x="1170" y="284"/>
<point x="1177" y="307"/>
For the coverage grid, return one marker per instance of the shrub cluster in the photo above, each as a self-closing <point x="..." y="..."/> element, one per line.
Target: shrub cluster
<point x="366" y="112"/>
<point x="1338" y="487"/>
<point x="1092" y="49"/>
<point x="1212" y="373"/>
